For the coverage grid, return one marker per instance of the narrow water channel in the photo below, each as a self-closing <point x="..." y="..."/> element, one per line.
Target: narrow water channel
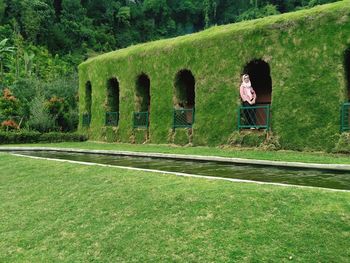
<point x="306" y="177"/>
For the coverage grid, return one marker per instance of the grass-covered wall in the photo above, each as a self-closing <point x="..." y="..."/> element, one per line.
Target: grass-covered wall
<point x="305" y="52"/>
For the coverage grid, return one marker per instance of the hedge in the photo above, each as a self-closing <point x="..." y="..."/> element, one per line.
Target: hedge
<point x="36" y="137"/>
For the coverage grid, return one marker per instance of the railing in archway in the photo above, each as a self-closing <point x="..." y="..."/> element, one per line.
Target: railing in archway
<point x="86" y="120"/>
<point x="183" y="118"/>
<point x="254" y="117"/>
<point x="112" y="118"/>
<point x="141" y="120"/>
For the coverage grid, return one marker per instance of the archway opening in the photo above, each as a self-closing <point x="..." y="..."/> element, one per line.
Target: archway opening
<point x="143" y="96"/>
<point x="112" y="115"/>
<point x="113" y="95"/>
<point x="88" y="97"/>
<point x="345" y="112"/>
<point x="88" y="102"/>
<point x="184" y="99"/>
<point x="257" y="115"/>
<point x="347" y="71"/>
<point x="259" y="73"/>
<point x="142" y="101"/>
<point x="185" y="89"/>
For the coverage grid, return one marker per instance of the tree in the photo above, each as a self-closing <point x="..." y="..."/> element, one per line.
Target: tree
<point x="4" y="51"/>
<point x="9" y="105"/>
<point x="28" y="63"/>
<point x="75" y="28"/>
<point x="2" y="10"/>
<point x="254" y="2"/>
<point x="40" y="118"/>
<point x="9" y="111"/>
<point x="254" y="12"/>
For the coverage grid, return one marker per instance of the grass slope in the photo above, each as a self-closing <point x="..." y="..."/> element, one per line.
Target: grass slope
<point x="305" y="51"/>
<point x="74" y="213"/>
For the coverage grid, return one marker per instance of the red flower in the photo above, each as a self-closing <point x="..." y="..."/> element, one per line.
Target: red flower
<point x="9" y="125"/>
<point x="8" y="95"/>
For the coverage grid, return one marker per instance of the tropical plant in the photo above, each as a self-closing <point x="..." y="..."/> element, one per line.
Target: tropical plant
<point x="28" y="63"/>
<point x="4" y="51"/>
<point x="9" y="105"/>
<point x="40" y="118"/>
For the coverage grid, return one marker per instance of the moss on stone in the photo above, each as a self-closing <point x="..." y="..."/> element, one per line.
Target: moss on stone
<point x="139" y="136"/>
<point x="111" y="134"/>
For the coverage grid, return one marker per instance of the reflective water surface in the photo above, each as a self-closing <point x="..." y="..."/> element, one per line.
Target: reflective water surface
<point x="307" y="177"/>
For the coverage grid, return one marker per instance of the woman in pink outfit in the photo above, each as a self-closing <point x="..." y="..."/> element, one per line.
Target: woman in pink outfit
<point x="248" y="97"/>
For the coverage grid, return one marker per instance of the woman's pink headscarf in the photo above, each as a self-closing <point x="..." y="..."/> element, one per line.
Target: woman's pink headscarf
<point x="248" y="87"/>
<point x="244" y="84"/>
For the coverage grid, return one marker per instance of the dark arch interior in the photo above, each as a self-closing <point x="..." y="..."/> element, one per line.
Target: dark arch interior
<point x="88" y="97"/>
<point x="347" y="71"/>
<point x="259" y="73"/>
<point x="185" y="89"/>
<point x="113" y="95"/>
<point x="143" y="97"/>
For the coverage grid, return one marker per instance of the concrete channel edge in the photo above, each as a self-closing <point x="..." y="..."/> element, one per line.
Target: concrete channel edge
<point x="319" y="166"/>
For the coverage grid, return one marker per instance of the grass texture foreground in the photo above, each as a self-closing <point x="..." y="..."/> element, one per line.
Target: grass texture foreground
<point x="53" y="211"/>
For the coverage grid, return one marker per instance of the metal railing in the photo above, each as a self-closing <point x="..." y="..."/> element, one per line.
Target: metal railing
<point x="183" y="118"/>
<point x="254" y="117"/>
<point x="112" y="118"/>
<point x="345" y="117"/>
<point x="86" y="120"/>
<point x="141" y="119"/>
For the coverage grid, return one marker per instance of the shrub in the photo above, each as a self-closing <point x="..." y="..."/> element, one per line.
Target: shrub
<point x="66" y="117"/>
<point x="235" y="139"/>
<point x="9" y="104"/>
<point x="18" y="137"/>
<point x="111" y="134"/>
<point x="343" y="144"/>
<point x="62" y="137"/>
<point x="9" y="125"/>
<point x="256" y="12"/>
<point x="249" y="139"/>
<point x="34" y="137"/>
<point x="40" y="119"/>
<point x="254" y="139"/>
<point x="59" y="98"/>
<point x="272" y="143"/>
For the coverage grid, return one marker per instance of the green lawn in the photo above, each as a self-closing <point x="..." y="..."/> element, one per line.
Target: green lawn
<point x="52" y="211"/>
<point x="249" y="153"/>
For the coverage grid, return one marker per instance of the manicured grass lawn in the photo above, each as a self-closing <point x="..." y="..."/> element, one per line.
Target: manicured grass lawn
<point x="249" y="153"/>
<point x="51" y="211"/>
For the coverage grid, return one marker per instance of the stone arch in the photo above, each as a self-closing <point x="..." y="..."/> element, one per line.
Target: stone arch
<point x="113" y="95"/>
<point x="88" y="97"/>
<point x="347" y="72"/>
<point x="143" y="95"/>
<point x="260" y="77"/>
<point x="185" y="94"/>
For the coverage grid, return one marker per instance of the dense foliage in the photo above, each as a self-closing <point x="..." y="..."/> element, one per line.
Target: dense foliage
<point x="42" y="42"/>
<point x="85" y="26"/>
<point x="36" y="137"/>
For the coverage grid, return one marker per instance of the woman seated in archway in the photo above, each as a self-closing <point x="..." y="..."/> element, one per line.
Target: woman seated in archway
<point x="248" y="97"/>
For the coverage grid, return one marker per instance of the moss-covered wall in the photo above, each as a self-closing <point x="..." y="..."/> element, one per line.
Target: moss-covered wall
<point x="305" y="52"/>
